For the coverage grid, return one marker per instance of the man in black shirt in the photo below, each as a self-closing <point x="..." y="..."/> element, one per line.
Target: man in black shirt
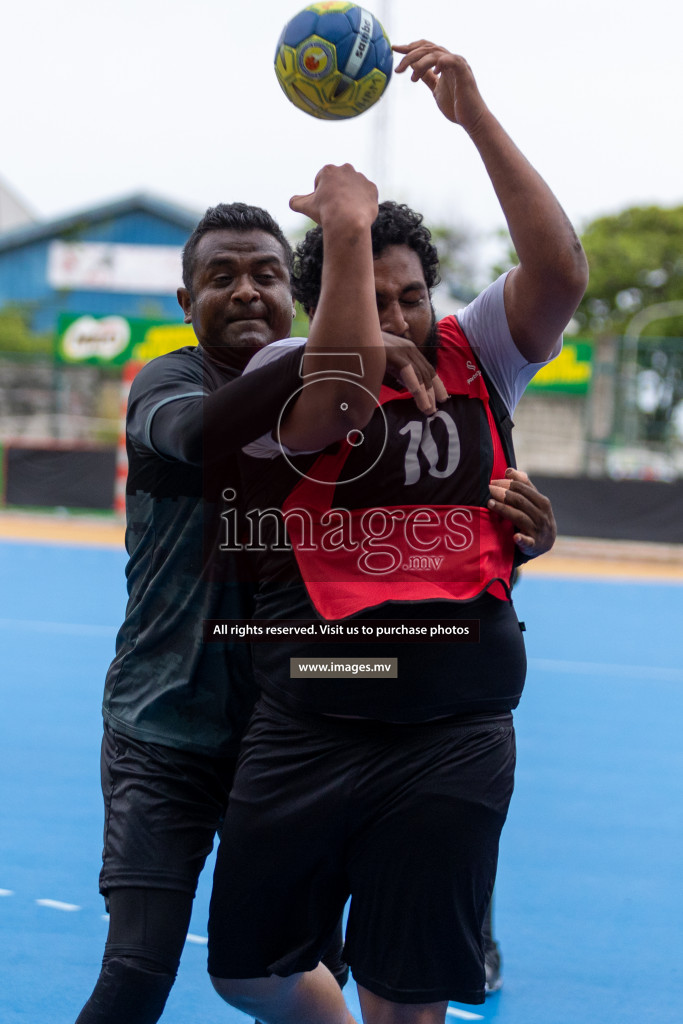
<point x="174" y="708"/>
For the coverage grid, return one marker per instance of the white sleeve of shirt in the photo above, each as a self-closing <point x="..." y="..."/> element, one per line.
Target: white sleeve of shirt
<point x="266" y="446"/>
<point x="486" y="328"/>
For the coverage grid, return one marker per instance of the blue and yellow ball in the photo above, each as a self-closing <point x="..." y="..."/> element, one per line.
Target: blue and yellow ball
<point x="333" y="60"/>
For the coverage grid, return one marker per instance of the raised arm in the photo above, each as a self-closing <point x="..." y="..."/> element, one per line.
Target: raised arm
<point x="544" y="290"/>
<point x="346" y="322"/>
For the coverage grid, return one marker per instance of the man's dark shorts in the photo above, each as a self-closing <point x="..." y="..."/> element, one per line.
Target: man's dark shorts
<point x="162" y="808"/>
<point x="404" y="818"/>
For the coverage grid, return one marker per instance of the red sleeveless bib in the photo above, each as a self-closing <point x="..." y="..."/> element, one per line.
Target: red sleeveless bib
<point x="354" y="559"/>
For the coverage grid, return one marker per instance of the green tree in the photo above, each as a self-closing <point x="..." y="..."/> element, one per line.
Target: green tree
<point x="17" y="337"/>
<point x="457" y="259"/>
<point x="636" y="261"/>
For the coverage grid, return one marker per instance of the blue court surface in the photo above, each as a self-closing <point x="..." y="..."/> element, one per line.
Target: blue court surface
<point x="589" y="908"/>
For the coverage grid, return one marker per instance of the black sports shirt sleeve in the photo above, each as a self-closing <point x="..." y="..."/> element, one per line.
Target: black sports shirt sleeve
<point x="191" y="409"/>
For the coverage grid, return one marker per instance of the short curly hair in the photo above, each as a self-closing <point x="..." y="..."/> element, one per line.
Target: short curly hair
<point x="396" y="224"/>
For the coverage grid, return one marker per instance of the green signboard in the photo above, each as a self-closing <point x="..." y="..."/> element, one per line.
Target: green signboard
<point x="570" y="373"/>
<point x="115" y="340"/>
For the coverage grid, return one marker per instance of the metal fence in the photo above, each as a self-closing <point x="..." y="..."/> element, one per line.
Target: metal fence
<point x="628" y="425"/>
<point x="43" y="400"/>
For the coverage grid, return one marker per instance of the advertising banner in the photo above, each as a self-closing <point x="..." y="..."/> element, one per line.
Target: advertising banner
<point x="116" y="340"/>
<point x="570" y="373"/>
<point x="112" y="267"/>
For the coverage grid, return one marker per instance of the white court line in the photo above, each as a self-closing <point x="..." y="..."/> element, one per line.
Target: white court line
<point x="72" y="628"/>
<point x="542" y="664"/>
<point x="57" y="905"/>
<point x="6" y="892"/>
<point x="462" y="1014"/>
<point x="600" y="668"/>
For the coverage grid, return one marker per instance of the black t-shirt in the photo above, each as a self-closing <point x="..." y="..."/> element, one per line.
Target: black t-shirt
<point x="188" y="415"/>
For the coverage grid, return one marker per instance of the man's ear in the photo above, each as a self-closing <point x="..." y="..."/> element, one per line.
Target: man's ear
<point x="311" y="313"/>
<point x="185" y="303"/>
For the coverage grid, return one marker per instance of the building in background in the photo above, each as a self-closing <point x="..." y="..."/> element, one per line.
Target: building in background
<point x="14" y="212"/>
<point x="121" y="258"/>
<point x="81" y="296"/>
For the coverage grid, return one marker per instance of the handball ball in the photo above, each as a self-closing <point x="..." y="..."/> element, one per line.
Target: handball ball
<point x="333" y="60"/>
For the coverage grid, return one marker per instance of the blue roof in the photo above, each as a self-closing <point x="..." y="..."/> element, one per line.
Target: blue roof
<point x="28" y="234"/>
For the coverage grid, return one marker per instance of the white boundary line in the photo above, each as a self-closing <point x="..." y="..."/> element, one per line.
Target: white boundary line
<point x="72" y="628"/>
<point x="58" y="905"/>
<point x="605" y="668"/>
<point x="599" y="668"/>
<point x="192" y="938"/>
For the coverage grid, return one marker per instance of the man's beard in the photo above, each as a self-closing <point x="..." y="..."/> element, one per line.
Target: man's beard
<point x="430" y="348"/>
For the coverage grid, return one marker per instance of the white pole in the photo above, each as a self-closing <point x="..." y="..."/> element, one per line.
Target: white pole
<point x="636" y="326"/>
<point x="380" y="161"/>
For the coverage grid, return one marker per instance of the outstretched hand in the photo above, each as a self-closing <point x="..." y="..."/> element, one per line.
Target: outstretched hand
<point x="340" y="192"/>
<point x="515" y="498"/>
<point x="449" y="77"/>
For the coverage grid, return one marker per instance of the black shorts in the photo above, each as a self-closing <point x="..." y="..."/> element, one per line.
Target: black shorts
<point x="403" y="818"/>
<point x="162" y="808"/>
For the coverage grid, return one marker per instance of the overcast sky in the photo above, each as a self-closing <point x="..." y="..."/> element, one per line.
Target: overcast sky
<point x="180" y="99"/>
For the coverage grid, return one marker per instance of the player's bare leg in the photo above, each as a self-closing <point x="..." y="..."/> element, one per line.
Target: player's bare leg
<point x="377" y="1010"/>
<point x="313" y="997"/>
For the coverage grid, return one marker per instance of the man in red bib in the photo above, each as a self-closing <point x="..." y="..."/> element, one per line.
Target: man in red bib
<point x="391" y="790"/>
